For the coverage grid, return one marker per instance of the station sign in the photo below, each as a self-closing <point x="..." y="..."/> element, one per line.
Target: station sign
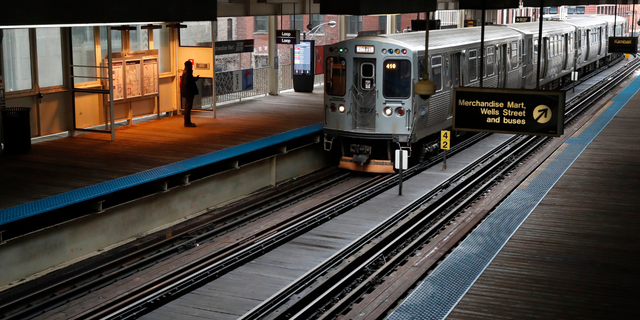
<point x="529" y="112"/>
<point x="523" y="19"/>
<point x="623" y="45"/>
<point x="235" y="46"/>
<point x="287" y="36"/>
<point x="469" y="23"/>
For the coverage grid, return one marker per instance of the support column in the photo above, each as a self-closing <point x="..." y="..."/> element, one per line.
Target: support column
<point x="214" y="36"/>
<point x="342" y="28"/>
<point x="273" y="56"/>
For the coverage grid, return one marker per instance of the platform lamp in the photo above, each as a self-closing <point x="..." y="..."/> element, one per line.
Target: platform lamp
<point x="315" y="29"/>
<point x="425" y="88"/>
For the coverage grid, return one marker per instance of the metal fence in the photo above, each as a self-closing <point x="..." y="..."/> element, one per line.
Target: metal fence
<point x="260" y="87"/>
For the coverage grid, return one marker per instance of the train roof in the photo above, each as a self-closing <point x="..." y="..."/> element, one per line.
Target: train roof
<point x="448" y="37"/>
<point x="585" y="21"/>
<point x="610" y="18"/>
<point x="547" y="27"/>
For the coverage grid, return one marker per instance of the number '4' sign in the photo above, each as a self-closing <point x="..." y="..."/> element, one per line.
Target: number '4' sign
<point x="445" y="140"/>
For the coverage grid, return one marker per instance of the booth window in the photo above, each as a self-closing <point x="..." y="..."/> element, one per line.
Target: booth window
<point x="396" y="78"/>
<point x="335" y="82"/>
<point x="162" y="42"/>
<point x="17" y="61"/>
<point x="196" y="34"/>
<point x="260" y="24"/>
<point x="49" y="49"/>
<point x="116" y="42"/>
<point x="138" y="39"/>
<point x="84" y="53"/>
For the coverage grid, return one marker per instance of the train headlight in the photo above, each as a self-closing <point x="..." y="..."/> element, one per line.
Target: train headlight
<point x="341" y="108"/>
<point x="387" y="111"/>
<point x="400" y="111"/>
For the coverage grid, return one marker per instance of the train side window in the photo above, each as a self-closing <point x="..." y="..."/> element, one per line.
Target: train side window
<point x="535" y="51"/>
<point x="396" y="78"/>
<point x="436" y="71"/>
<point x="490" y="56"/>
<point x="473" y="67"/>
<point x="336" y="76"/>
<point x="514" y="54"/>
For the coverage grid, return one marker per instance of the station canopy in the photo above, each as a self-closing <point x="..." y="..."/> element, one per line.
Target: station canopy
<point x="69" y="12"/>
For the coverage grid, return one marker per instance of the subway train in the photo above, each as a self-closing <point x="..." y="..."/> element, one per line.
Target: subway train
<point x="370" y="107"/>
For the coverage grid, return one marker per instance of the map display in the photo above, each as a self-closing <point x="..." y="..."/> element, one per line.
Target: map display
<point x="118" y="82"/>
<point x="150" y="74"/>
<point x="133" y="84"/>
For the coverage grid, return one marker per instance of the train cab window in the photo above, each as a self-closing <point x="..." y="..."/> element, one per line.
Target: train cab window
<point x="367" y="76"/>
<point x="396" y="78"/>
<point x="473" y="66"/>
<point x="335" y="76"/>
<point x="436" y="71"/>
<point x="490" y="57"/>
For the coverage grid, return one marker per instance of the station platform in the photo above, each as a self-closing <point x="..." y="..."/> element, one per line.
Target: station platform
<point x="564" y="245"/>
<point x="64" y="171"/>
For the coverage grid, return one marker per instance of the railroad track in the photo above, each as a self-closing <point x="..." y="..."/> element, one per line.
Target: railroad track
<point x="191" y="276"/>
<point x="331" y="289"/>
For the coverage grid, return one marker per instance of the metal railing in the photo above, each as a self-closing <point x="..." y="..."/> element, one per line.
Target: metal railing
<point x="260" y="87"/>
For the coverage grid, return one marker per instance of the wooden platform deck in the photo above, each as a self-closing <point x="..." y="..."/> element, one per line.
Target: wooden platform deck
<point x="577" y="254"/>
<point x="62" y="165"/>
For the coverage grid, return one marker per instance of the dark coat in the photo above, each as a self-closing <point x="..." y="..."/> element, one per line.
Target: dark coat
<point x="188" y="87"/>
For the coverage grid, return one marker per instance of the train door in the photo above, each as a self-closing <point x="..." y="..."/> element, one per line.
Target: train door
<point x="501" y="64"/>
<point x="588" y="45"/>
<point x="455" y="70"/>
<point x="364" y="94"/>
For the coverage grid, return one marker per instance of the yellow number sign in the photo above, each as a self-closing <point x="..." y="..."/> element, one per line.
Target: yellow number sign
<point x="445" y="140"/>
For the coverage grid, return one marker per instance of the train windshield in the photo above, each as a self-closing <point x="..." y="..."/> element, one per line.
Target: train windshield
<point x="396" y="82"/>
<point x="336" y="76"/>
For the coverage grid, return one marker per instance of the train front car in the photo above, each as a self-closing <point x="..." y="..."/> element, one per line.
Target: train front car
<point x="368" y="101"/>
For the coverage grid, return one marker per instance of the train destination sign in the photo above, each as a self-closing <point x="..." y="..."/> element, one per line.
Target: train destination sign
<point x="623" y="45"/>
<point x="287" y="36"/>
<point x="528" y="112"/>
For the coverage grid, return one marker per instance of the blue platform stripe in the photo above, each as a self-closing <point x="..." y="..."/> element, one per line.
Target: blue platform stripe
<point x="68" y="198"/>
<point x="441" y="291"/>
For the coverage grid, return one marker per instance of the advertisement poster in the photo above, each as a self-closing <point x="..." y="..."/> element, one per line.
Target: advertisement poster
<point x="319" y="59"/>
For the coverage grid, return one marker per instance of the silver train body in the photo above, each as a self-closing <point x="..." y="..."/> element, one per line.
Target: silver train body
<point x="370" y="107"/>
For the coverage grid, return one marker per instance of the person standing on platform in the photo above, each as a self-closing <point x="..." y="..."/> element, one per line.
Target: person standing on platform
<point x="188" y="90"/>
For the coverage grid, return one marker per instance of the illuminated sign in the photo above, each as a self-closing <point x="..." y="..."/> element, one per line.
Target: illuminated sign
<point x="390" y="66"/>
<point x="523" y="19"/>
<point x="509" y="111"/>
<point x="623" y="45"/>
<point x="287" y="36"/>
<point x="365" y="49"/>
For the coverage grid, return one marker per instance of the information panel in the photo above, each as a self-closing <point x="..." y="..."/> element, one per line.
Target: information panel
<point x="132" y="81"/>
<point x="509" y="111"/>
<point x="303" y="58"/>
<point x="150" y="74"/>
<point x="118" y="81"/>
<point x="623" y="45"/>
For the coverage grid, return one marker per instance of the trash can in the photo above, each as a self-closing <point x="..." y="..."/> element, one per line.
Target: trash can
<point x="16" y="130"/>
